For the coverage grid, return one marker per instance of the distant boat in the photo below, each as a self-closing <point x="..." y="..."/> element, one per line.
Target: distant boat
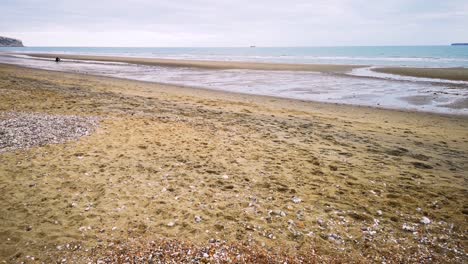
<point x="459" y="44"/>
<point x="253" y="46"/>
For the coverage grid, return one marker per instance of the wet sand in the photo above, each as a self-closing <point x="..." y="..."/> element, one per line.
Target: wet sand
<point x="209" y="64"/>
<point x="355" y="183"/>
<point x="456" y="74"/>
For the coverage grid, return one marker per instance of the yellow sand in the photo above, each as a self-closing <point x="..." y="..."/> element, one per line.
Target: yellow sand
<point x="164" y="155"/>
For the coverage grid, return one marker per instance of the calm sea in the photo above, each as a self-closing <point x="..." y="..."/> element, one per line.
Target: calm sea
<point x="418" y="56"/>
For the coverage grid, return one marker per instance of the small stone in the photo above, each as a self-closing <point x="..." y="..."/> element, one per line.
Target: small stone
<point x="425" y="220"/>
<point x="408" y="227"/>
<point x="277" y="213"/>
<point x="171" y="224"/>
<point x="379" y="212"/>
<point x="198" y="219"/>
<point x="335" y="238"/>
<point x="296" y="200"/>
<point x="320" y="222"/>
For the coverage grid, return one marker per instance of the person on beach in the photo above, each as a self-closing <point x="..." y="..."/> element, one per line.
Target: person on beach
<point x="57" y="59"/>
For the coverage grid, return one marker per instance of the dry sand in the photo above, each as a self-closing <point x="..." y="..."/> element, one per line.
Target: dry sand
<point x="457" y="74"/>
<point x="169" y="162"/>
<point x="209" y="64"/>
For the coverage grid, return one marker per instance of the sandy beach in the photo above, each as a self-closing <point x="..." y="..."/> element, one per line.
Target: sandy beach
<point x="341" y="183"/>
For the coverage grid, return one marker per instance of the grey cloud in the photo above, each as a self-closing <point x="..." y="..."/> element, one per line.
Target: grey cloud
<point x="242" y="22"/>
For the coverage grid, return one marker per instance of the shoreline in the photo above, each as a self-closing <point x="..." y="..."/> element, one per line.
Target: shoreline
<point x="194" y="89"/>
<point x="217" y="65"/>
<point x="454" y="74"/>
<point x="170" y="162"/>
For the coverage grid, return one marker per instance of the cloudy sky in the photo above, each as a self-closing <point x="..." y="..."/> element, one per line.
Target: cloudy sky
<point x="154" y="23"/>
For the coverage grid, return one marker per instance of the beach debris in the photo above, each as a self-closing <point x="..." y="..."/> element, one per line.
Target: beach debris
<point x="21" y="130"/>
<point x="296" y="200"/>
<point x="171" y="224"/>
<point x="425" y="220"/>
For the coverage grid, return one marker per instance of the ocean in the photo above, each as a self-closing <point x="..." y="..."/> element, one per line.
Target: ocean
<point x="361" y="86"/>
<point x="415" y="56"/>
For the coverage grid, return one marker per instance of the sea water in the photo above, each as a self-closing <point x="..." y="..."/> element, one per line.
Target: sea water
<point x="416" y="56"/>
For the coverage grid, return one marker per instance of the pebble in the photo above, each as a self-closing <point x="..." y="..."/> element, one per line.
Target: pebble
<point x="198" y="219"/>
<point x="425" y="220"/>
<point x="171" y="224"/>
<point x="320" y="222"/>
<point x="335" y="238"/>
<point x="296" y="200"/>
<point x="408" y="227"/>
<point x="278" y="213"/>
<point x="26" y="130"/>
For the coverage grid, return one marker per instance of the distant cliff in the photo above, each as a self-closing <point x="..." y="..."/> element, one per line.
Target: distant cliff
<point x="9" y="42"/>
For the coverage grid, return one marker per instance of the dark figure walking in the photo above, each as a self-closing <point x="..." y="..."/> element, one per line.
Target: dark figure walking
<point x="57" y="59"/>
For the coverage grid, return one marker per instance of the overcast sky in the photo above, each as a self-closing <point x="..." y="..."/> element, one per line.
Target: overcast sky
<point x="153" y="23"/>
